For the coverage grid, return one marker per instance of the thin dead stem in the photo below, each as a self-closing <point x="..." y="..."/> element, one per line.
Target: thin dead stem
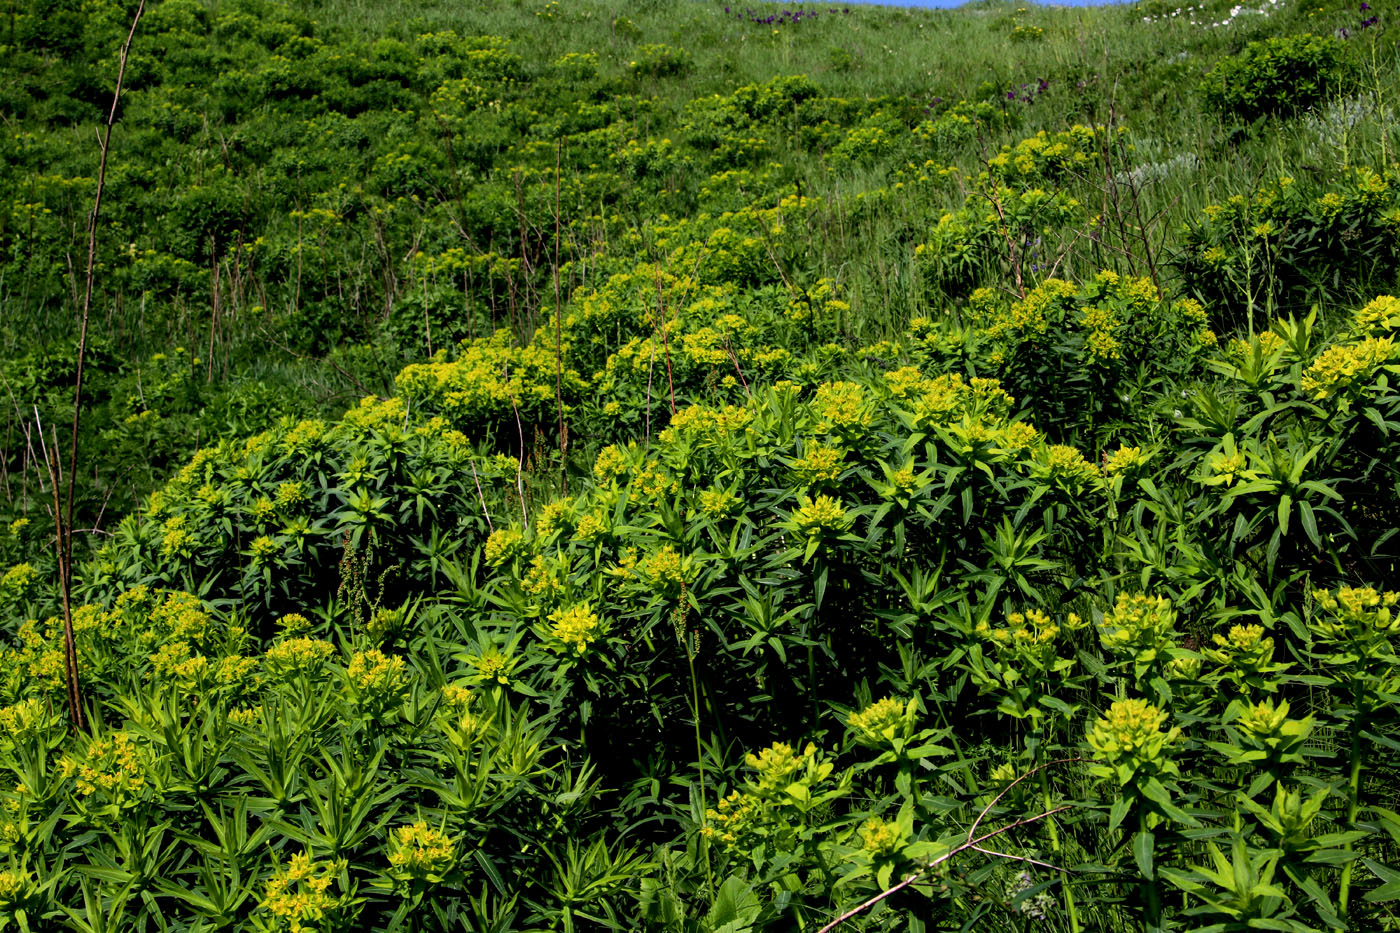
<point x="973" y="842"/>
<point x="64" y="519"/>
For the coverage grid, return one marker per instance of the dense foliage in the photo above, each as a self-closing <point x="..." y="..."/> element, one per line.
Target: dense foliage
<point x="700" y="469"/>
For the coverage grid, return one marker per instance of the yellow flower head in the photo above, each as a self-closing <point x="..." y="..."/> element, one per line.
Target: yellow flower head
<point x="504" y="545"/>
<point x="376" y="676"/>
<point x="881" y="839"/>
<point x="578" y="627"/>
<point x="1340" y="366"/>
<point x="819" y="465"/>
<point x="822" y="515"/>
<point x="881" y="722"/>
<point x="1129" y="739"/>
<point x="421" y="852"/>
<point x="298" y="655"/>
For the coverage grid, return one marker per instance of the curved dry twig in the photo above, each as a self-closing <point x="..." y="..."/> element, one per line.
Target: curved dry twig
<point x="973" y="841"/>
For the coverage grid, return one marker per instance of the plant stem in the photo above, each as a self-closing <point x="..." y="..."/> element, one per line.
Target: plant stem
<point x="65" y="521"/>
<point x="1055" y="847"/>
<point x="1153" y="920"/>
<point x="1353" y="806"/>
<point x="699" y="754"/>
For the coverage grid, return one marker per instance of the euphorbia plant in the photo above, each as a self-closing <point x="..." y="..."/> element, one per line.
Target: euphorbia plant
<point x="1354" y="634"/>
<point x="1133" y="750"/>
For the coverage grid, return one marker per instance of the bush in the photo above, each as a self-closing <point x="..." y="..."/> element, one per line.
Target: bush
<point x="661" y="61"/>
<point x="1281" y="75"/>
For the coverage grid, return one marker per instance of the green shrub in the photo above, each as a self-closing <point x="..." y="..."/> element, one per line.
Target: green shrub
<point x="660" y="61"/>
<point x="1279" y="75"/>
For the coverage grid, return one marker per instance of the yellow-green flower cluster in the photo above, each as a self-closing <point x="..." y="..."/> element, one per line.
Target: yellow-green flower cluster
<point x="422" y="852"/>
<point x="880" y="839"/>
<point x="545" y="577"/>
<point x="262" y="548"/>
<point x="1267" y="341"/>
<point x="492" y="666"/>
<point x="298" y="895"/>
<point x="1355" y="614"/>
<point x="590" y="526"/>
<point x="248" y="717"/>
<point x="1129" y="740"/>
<point x="654" y="482"/>
<point x="610" y="464"/>
<point x="1138" y="626"/>
<point x="1046" y="155"/>
<point x="578" y="627"/>
<point x="1067" y="467"/>
<point x="822" y="515"/>
<point x="778" y="766"/>
<point x="1243" y="650"/>
<point x="490" y="380"/>
<point x="292" y="494"/>
<point x="819" y="465"/>
<point x="1183" y="668"/>
<point x="176" y="662"/>
<point x="298" y="655"/>
<point x="945" y="398"/>
<point x="1226" y="467"/>
<point x="21" y="720"/>
<point x="16" y="887"/>
<point x="841" y="406"/>
<point x="732" y="820"/>
<point x="111" y="766"/>
<point x="1263" y="720"/>
<point x="1023" y="629"/>
<point x="19" y="582"/>
<point x="1380" y="316"/>
<point x="262" y="510"/>
<point x="552" y="516"/>
<point x="717" y="503"/>
<point x="1125" y="461"/>
<point x="504" y="545"/>
<point x="883" y="721"/>
<point x="176" y="539"/>
<point x="1028" y="318"/>
<point x="377" y="677"/>
<point x="292" y="622"/>
<point x="304" y="437"/>
<point x="1338" y="367"/>
<point x="663" y="566"/>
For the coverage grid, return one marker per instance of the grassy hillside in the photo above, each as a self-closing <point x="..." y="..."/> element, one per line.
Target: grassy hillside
<point x="686" y="467"/>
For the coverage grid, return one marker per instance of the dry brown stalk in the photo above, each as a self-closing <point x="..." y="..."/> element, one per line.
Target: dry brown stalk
<point x="64" y="520"/>
<point x="559" y="330"/>
<point x="973" y="841"/>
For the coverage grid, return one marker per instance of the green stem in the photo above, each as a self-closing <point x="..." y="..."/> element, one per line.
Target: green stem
<point x="1353" y="805"/>
<point x="699" y="757"/>
<point x="1154" y="893"/>
<point x="1055" y="847"/>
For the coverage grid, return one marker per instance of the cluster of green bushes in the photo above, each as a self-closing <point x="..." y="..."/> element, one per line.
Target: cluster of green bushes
<point x="770" y="662"/>
<point x="764" y="498"/>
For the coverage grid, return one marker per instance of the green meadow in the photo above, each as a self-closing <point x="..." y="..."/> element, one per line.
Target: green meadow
<point x="531" y="466"/>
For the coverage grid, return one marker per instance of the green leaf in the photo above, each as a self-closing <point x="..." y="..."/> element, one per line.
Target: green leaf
<point x="1118" y="812"/>
<point x="1390" y="889"/>
<point x="1143" y="844"/>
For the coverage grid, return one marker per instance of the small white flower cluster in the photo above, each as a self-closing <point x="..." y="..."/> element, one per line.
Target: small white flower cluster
<point x="1190" y="14"/>
<point x="1264" y="9"/>
<point x="1180" y="11"/>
